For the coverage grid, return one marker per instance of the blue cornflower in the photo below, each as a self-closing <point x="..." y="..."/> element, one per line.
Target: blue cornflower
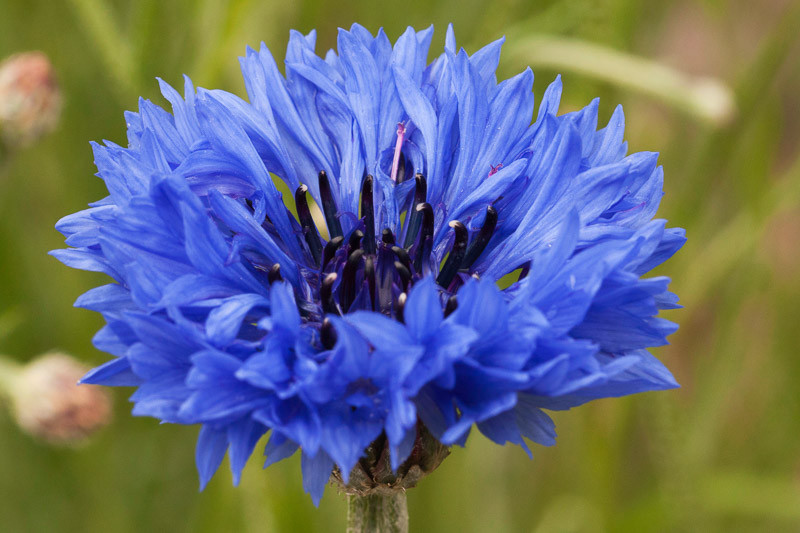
<point x="360" y="317"/>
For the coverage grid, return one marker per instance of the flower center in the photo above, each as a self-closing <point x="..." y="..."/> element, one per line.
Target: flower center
<point x="369" y="272"/>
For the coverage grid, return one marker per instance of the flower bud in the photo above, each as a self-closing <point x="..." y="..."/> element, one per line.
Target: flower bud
<point x="373" y="473"/>
<point x="49" y="404"/>
<point x="30" y="101"/>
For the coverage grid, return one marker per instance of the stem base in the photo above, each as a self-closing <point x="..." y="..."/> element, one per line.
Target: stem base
<point x="377" y="513"/>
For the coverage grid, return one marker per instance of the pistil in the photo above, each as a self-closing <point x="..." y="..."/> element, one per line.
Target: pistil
<point x="398" y="147"/>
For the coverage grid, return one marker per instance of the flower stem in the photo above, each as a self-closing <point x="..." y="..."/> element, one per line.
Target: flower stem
<point x="377" y="513"/>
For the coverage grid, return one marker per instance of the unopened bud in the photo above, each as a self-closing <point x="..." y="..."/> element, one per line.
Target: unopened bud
<point x="49" y="404"/>
<point x="30" y="101"/>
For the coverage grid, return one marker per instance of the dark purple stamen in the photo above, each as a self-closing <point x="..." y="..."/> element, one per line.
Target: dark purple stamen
<point x="451" y="305"/>
<point x="414" y="217"/>
<point x="425" y="242"/>
<point x="274" y="274"/>
<point x="384" y="268"/>
<point x="456" y="256"/>
<point x="480" y="241"/>
<point x="347" y="291"/>
<point x="398" y="310"/>
<point x="402" y="255"/>
<point x="355" y="240"/>
<point x="368" y="214"/>
<point x="385" y="273"/>
<point x="401" y="168"/>
<point x="330" y="250"/>
<point x="326" y="294"/>
<point x="329" y="206"/>
<point x="526" y="268"/>
<point x="307" y="223"/>
<point x="369" y="273"/>
<point x="405" y="274"/>
<point x="327" y="334"/>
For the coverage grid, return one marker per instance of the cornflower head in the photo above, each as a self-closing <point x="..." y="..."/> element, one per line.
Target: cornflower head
<point x="358" y="318"/>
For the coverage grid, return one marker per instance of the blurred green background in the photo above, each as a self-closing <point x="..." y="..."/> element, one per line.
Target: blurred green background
<point x="720" y="454"/>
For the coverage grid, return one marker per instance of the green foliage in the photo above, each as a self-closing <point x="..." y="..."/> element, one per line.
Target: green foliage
<point x="720" y="454"/>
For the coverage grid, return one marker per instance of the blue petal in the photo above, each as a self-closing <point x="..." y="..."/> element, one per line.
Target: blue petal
<point x="316" y="472"/>
<point x="115" y="373"/>
<point x="211" y="447"/>
<point x="423" y="311"/>
<point x="278" y="448"/>
<point x="242" y="438"/>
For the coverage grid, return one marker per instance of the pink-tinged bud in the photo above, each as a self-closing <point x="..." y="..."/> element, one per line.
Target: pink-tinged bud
<point x="30" y="101"/>
<point x="49" y="404"/>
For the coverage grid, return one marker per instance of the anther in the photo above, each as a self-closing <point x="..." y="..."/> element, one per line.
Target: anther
<point x="326" y="294"/>
<point x="480" y="241"/>
<point x="425" y="235"/>
<point x="405" y="274"/>
<point x="329" y="206"/>
<point x="456" y="256"/>
<point x="327" y="334"/>
<point x="368" y="214"/>
<point x="307" y="223"/>
<point x="401" y="169"/>
<point x="402" y="255"/>
<point x="330" y="250"/>
<point x="274" y="274"/>
<point x="355" y="240"/>
<point x="387" y="236"/>
<point x="398" y="310"/>
<point x="451" y="305"/>
<point x="526" y="268"/>
<point x="347" y="291"/>
<point x="414" y="217"/>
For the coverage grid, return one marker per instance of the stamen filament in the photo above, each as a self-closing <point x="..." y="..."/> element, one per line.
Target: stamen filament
<point x="402" y="255"/>
<point x="369" y="273"/>
<point x="479" y="243"/>
<point x="347" y="290"/>
<point x="274" y="274"/>
<point x="414" y="217"/>
<point x="456" y="256"/>
<point x="307" y="223"/>
<point x="451" y="305"/>
<point x="326" y="294"/>
<point x="329" y="206"/>
<point x="368" y="214"/>
<point x="425" y="235"/>
<point x="330" y="250"/>
<point x="400" y="307"/>
<point x="327" y="334"/>
<point x="405" y="274"/>
<point x="355" y="240"/>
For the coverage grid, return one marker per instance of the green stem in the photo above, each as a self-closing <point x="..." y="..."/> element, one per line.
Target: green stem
<point x="97" y="19"/>
<point x="703" y="97"/>
<point x="377" y="513"/>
